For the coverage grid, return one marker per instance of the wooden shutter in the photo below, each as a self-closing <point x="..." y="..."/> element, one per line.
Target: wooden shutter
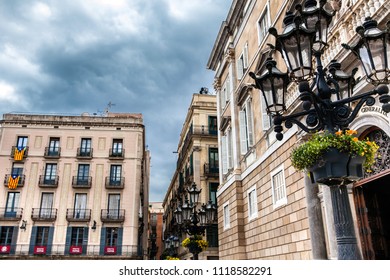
<point x="33" y="239"/>
<point x="103" y="234"/>
<point x="85" y="240"/>
<point x="249" y="118"/>
<point x="119" y="241"/>
<point x="68" y="239"/>
<point x="243" y="138"/>
<point x="224" y="155"/>
<point x="264" y="115"/>
<point x="14" y="239"/>
<point x="50" y="240"/>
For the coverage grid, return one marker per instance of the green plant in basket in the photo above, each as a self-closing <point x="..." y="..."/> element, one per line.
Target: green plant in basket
<point x="310" y="153"/>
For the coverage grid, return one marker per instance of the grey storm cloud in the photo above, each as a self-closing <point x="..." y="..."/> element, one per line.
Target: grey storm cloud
<point x="77" y="56"/>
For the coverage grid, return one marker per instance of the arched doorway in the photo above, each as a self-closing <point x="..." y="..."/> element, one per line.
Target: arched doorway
<point x="372" y="200"/>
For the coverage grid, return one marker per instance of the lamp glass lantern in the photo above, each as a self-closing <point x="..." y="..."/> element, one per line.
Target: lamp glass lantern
<point x="202" y="215"/>
<point x="186" y="211"/>
<point x="194" y="193"/>
<point x="178" y="215"/>
<point x="211" y="211"/>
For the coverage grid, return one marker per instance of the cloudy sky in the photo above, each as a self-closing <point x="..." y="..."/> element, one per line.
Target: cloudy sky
<point x="143" y="56"/>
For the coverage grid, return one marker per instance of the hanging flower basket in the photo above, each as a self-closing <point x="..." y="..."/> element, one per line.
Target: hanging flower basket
<point x="333" y="159"/>
<point x="195" y="244"/>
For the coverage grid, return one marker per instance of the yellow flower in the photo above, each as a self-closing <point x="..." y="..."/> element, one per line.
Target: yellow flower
<point x="338" y="133"/>
<point x="355" y="139"/>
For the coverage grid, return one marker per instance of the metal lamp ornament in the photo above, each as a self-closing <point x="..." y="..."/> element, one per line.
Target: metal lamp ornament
<point x="326" y="95"/>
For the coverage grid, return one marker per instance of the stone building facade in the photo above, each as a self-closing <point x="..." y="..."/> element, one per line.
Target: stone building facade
<point x="74" y="186"/>
<point x="197" y="162"/>
<point x="263" y="202"/>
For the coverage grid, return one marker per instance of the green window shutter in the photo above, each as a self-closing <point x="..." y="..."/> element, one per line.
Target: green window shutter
<point x="33" y="239"/>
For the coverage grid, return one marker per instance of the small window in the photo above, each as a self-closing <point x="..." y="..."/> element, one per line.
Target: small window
<point x="246" y="127"/>
<point x="252" y="203"/>
<point x="263" y="25"/>
<point x="278" y="184"/>
<point x="226" y="216"/>
<point x="242" y="63"/>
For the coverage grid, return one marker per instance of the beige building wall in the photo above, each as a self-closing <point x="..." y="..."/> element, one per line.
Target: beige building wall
<point x="70" y="130"/>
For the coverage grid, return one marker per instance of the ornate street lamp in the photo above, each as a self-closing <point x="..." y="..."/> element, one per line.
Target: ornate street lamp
<point x="171" y="244"/>
<point x="326" y="97"/>
<point x="195" y="221"/>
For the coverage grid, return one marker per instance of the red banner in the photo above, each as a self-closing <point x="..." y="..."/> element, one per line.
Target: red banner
<point x="40" y="250"/>
<point x="110" y="250"/>
<point x="75" y="250"/>
<point x="5" y="249"/>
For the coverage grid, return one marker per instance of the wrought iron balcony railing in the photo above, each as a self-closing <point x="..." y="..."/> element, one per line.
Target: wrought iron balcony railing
<point x="52" y="152"/>
<point x="78" y="215"/>
<point x="116" y="154"/>
<point x="211" y="169"/>
<point x="82" y="182"/>
<point x="83" y="153"/>
<point x="14" y="182"/>
<point x="115" y="183"/>
<point x="19" y="154"/>
<point x="11" y="214"/>
<point x="44" y="214"/>
<point x="112" y="215"/>
<point x="48" y="182"/>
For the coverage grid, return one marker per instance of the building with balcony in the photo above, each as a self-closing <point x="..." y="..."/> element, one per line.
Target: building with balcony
<point x="197" y="162"/>
<point x="267" y="210"/>
<point x="155" y="233"/>
<point x="65" y="195"/>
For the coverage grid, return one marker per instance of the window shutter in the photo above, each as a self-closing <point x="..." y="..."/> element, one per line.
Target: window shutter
<point x="227" y="97"/>
<point x="68" y="239"/>
<point x="243" y="139"/>
<point x="264" y="115"/>
<point x="103" y="234"/>
<point x="85" y="240"/>
<point x="249" y="115"/>
<point x="120" y="241"/>
<point x="245" y="57"/>
<point x="33" y="239"/>
<point x="224" y="155"/>
<point x="240" y="66"/>
<point x="230" y="148"/>
<point x="50" y="240"/>
<point x="14" y="239"/>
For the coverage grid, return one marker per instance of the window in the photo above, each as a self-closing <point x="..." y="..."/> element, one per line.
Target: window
<point x="42" y="236"/>
<point x="117" y="146"/>
<point x="77" y="236"/>
<point x="225" y="92"/>
<point x="227" y="151"/>
<point x="6" y="234"/>
<point x="80" y="205"/>
<point x="85" y="149"/>
<point x="111" y="236"/>
<point x="17" y="169"/>
<point x="213" y="160"/>
<point x="54" y="147"/>
<point x="278" y="187"/>
<point x="266" y="119"/>
<point x="252" y="203"/>
<point x="22" y="142"/>
<point x="50" y="173"/>
<point x="226" y="216"/>
<point x="83" y="174"/>
<point x="115" y="175"/>
<point x="263" y="25"/>
<point x="46" y="205"/>
<point x="212" y="235"/>
<point x="213" y="192"/>
<point x="242" y="62"/>
<point x="12" y="204"/>
<point x="113" y="205"/>
<point x="246" y="127"/>
<point x="213" y="126"/>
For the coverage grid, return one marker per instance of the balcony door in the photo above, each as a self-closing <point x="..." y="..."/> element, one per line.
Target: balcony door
<point x="113" y="205"/>
<point x="22" y="142"/>
<point x="85" y="149"/>
<point x="117" y="145"/>
<point x="83" y="174"/>
<point x="50" y="173"/>
<point x="46" y="205"/>
<point x="115" y="175"/>
<point x="12" y="204"/>
<point x="54" y="146"/>
<point x="80" y="205"/>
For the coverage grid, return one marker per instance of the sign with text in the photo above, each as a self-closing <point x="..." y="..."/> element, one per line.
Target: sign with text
<point x="75" y="250"/>
<point x="110" y="250"/>
<point x="5" y="249"/>
<point x="40" y="250"/>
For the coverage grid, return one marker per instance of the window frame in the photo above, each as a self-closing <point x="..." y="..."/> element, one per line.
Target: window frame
<point x="262" y="31"/>
<point x="246" y="123"/>
<point x="226" y="216"/>
<point x="252" y="203"/>
<point x="276" y="200"/>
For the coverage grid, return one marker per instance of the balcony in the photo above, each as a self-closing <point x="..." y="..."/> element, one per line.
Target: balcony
<point x="78" y="215"/>
<point x="48" y="182"/>
<point x="116" y="154"/>
<point x="115" y="183"/>
<point x="44" y="214"/>
<point x="81" y="182"/>
<point x="211" y="170"/>
<point x="52" y="153"/>
<point x="83" y="153"/>
<point x="19" y="155"/>
<point x="14" y="182"/>
<point x="11" y="214"/>
<point x="112" y="215"/>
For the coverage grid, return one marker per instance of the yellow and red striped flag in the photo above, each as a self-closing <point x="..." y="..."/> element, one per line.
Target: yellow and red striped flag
<point x="19" y="153"/>
<point x="13" y="181"/>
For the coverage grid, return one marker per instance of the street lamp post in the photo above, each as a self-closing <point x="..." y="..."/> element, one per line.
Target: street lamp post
<point x="326" y="95"/>
<point x="172" y="244"/>
<point x="194" y="221"/>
